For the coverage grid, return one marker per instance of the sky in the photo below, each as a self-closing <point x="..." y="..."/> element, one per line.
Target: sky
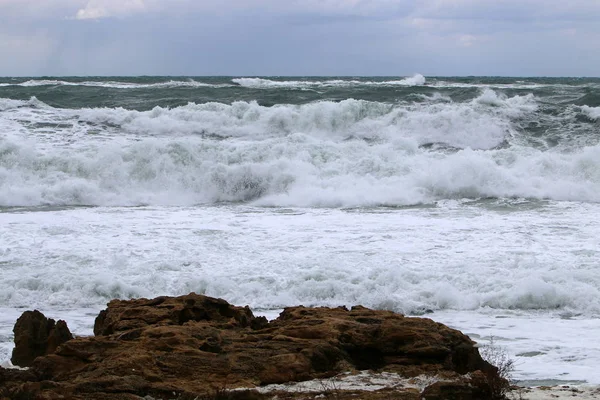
<point x="300" y="37"/>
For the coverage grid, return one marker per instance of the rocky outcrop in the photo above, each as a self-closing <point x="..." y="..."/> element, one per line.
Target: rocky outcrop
<point x="192" y="346"/>
<point x="131" y="315"/>
<point x="36" y="335"/>
<point x="474" y="386"/>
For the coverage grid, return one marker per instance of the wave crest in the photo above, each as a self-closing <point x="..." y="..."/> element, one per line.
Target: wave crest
<point x="296" y="170"/>
<point x="262" y="83"/>
<point x="591" y="112"/>
<point x="483" y="123"/>
<point x="331" y="154"/>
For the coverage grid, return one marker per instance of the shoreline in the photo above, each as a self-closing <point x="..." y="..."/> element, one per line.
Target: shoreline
<point x="369" y="381"/>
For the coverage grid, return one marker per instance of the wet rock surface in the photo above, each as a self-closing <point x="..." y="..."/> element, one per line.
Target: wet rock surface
<point x="195" y="346"/>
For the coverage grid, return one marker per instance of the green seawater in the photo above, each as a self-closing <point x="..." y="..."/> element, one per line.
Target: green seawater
<point x="145" y="93"/>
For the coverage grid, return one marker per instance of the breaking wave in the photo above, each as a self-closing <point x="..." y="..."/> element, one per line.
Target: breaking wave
<point x="322" y="154"/>
<point x="255" y="83"/>
<point x="483" y="123"/>
<point x="592" y="112"/>
<point x="260" y="83"/>
<point x="296" y="170"/>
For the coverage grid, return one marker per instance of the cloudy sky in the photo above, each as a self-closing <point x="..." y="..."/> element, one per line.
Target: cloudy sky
<point x="300" y="37"/>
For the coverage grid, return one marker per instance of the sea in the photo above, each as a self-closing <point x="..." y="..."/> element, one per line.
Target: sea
<point x="473" y="201"/>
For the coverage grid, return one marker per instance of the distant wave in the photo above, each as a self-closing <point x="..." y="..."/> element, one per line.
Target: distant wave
<point x="8" y="104"/>
<point x="514" y="85"/>
<point x="255" y="83"/>
<point x="444" y="84"/>
<point x="483" y="123"/>
<point x="115" y="84"/>
<point x="260" y="83"/>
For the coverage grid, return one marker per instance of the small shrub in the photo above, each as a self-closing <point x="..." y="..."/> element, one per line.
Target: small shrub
<point x="330" y="388"/>
<point x="496" y="355"/>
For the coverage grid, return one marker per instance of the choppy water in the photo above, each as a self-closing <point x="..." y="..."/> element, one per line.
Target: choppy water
<point x="472" y="200"/>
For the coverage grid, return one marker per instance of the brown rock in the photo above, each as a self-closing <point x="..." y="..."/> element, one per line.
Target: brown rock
<point x="473" y="387"/>
<point x="192" y="346"/>
<point x="121" y="316"/>
<point x="36" y="335"/>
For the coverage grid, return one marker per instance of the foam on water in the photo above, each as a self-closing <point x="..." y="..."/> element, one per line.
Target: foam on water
<point x="493" y="224"/>
<point x="290" y="171"/>
<point x="346" y="154"/>
<point x="274" y="259"/>
<point x="522" y="85"/>
<point x="256" y="83"/>
<point x="592" y="112"/>
<point x="261" y="83"/>
<point x="10" y="104"/>
<point x="541" y="346"/>
<point x="115" y="84"/>
<point x="483" y="122"/>
<point x="536" y="265"/>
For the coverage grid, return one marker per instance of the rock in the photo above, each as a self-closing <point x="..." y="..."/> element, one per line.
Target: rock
<point x="36" y="335"/>
<point x="194" y="346"/>
<point x="473" y="387"/>
<point x="123" y="316"/>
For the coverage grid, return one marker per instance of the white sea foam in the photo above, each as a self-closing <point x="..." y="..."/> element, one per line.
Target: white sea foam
<point x="115" y="84"/>
<point x="592" y="112"/>
<point x="525" y="274"/>
<point x="515" y="85"/>
<point x="415" y="80"/>
<point x="261" y="83"/>
<point x="9" y="104"/>
<point x="405" y="260"/>
<point x="352" y="153"/>
<point x="486" y="252"/>
<point x="484" y="122"/>
<point x="256" y="83"/>
<point x="291" y="171"/>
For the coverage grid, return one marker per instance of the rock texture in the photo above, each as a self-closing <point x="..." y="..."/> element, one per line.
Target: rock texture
<point x="36" y="335"/>
<point x="195" y="346"/>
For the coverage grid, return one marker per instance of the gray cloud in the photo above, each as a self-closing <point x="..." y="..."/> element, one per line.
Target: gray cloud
<point x="96" y="9"/>
<point x="309" y="37"/>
